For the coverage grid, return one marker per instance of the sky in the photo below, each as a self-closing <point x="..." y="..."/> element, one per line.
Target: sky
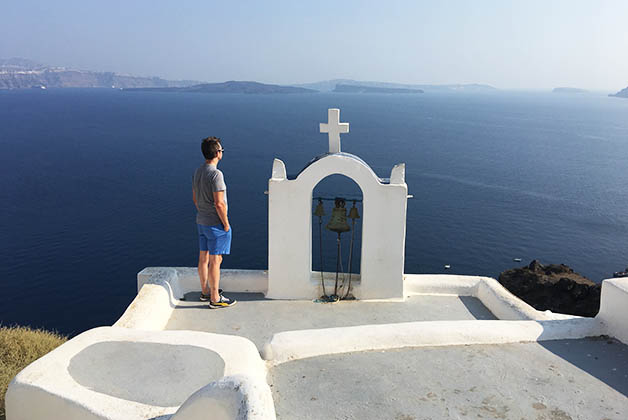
<point x="527" y="44"/>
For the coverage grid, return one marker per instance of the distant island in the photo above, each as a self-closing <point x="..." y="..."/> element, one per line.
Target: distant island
<point x="20" y="73"/>
<point x="569" y="90"/>
<point x="621" y="94"/>
<point x="229" y="87"/>
<point x="369" y="89"/>
<point x="330" y="86"/>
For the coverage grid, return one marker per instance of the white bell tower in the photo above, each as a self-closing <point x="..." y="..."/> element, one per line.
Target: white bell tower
<point x="384" y="207"/>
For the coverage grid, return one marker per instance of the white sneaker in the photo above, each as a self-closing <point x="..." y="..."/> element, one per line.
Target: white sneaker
<point x="222" y="303"/>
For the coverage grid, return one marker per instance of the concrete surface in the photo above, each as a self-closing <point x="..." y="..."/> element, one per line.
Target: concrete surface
<point x="257" y="318"/>
<point x="558" y="380"/>
<point x="122" y="365"/>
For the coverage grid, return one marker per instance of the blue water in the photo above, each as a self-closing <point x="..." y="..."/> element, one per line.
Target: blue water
<point x="96" y="184"/>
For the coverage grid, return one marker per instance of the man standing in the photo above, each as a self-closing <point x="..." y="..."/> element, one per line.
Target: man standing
<point x="209" y="193"/>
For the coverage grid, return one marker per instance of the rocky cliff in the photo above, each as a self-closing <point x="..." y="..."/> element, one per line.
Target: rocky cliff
<point x="19" y="73"/>
<point x="621" y="94"/>
<point x="555" y="287"/>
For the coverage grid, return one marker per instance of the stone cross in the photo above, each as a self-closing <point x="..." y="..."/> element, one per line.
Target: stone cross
<point x="334" y="128"/>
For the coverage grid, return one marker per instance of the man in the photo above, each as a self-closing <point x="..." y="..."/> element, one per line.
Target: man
<point x="209" y="193"/>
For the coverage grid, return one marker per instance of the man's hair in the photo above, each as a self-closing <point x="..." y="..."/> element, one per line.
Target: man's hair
<point x="210" y="147"/>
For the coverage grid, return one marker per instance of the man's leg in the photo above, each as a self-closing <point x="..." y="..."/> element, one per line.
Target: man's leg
<point x="203" y="271"/>
<point x="214" y="276"/>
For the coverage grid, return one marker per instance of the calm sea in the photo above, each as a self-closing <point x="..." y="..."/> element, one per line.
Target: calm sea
<point x="96" y="185"/>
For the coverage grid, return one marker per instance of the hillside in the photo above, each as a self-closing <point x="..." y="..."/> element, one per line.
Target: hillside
<point x="621" y="94"/>
<point x="230" y="87"/>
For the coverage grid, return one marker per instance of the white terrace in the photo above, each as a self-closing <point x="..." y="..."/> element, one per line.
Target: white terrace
<point x="411" y="346"/>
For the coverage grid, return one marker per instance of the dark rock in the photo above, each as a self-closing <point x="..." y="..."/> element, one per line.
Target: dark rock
<point x="535" y="265"/>
<point x="555" y="287"/>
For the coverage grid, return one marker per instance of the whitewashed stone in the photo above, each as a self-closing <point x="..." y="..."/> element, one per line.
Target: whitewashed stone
<point x="614" y="308"/>
<point x="290" y="225"/>
<point x="334" y="128"/>
<point x="125" y="374"/>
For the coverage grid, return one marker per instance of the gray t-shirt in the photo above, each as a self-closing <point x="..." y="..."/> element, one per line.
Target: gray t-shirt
<point x="207" y="180"/>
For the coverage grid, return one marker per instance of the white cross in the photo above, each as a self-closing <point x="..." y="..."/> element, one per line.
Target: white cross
<point x="334" y="127"/>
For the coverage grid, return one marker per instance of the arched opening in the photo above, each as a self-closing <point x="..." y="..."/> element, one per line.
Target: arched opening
<point x="290" y="228"/>
<point x="325" y="250"/>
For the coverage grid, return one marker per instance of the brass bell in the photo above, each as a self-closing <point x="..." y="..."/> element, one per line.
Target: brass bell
<point x="338" y="221"/>
<point x="353" y="212"/>
<point x="319" y="211"/>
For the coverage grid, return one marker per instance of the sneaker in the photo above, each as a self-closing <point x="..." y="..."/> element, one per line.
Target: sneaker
<point x="222" y="297"/>
<point x="222" y="303"/>
<point x="205" y="298"/>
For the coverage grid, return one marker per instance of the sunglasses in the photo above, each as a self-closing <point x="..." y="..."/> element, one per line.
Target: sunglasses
<point x="221" y="150"/>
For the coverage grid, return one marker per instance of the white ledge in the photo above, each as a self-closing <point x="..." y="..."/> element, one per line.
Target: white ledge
<point x="294" y="345"/>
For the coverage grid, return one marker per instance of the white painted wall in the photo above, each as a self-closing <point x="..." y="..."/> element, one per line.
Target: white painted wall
<point x="503" y="304"/>
<point x="614" y="308"/>
<point x="152" y="307"/>
<point x="150" y="310"/>
<point x="440" y="284"/>
<point x="290" y="228"/>
<point x="183" y="280"/>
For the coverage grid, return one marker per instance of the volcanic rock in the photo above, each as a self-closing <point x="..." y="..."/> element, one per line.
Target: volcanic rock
<point x="555" y="287"/>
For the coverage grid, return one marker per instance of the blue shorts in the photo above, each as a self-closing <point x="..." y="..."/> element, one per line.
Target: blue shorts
<point x="214" y="239"/>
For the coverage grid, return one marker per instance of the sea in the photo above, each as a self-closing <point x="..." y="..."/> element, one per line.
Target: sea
<point x="96" y="184"/>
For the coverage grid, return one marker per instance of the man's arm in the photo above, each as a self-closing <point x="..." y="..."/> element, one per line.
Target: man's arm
<point x="221" y="208"/>
<point x="194" y="196"/>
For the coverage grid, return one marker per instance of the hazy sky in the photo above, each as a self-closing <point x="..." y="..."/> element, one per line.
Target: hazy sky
<point x="508" y="44"/>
